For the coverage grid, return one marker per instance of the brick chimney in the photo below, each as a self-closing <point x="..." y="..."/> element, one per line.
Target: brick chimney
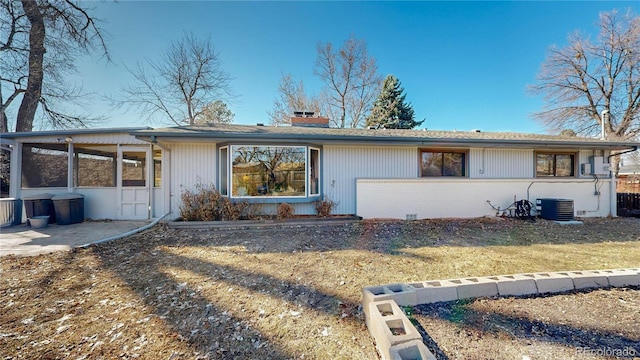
<point x="307" y="119"/>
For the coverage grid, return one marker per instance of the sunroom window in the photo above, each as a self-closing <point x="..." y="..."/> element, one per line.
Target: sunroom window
<point x="44" y="165"/>
<point x="269" y="171"/>
<point x="95" y="165"/>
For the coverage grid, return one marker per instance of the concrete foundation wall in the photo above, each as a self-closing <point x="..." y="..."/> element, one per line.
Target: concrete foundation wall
<point x="467" y="198"/>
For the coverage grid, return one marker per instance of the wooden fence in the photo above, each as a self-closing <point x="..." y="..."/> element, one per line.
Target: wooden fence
<point x="629" y="204"/>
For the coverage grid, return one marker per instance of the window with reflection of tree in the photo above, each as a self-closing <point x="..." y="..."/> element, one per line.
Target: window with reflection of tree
<point x="268" y="170"/>
<point x="553" y="164"/>
<point x="442" y="163"/>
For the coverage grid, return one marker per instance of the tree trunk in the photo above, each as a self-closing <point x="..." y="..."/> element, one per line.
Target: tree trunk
<point x="4" y="126"/>
<point x="31" y="97"/>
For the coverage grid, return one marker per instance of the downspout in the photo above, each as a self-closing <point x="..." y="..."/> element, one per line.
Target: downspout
<point x="613" y="197"/>
<point x="603" y="135"/>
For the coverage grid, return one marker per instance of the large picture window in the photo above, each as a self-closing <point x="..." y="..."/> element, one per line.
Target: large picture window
<point x="442" y="163"/>
<point x="268" y="171"/>
<point x="552" y="164"/>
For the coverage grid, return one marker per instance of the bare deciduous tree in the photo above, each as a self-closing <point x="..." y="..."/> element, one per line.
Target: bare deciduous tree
<point x="291" y="97"/>
<point x="178" y="86"/>
<point x="351" y="81"/>
<point x="39" y="42"/>
<point x="585" y="78"/>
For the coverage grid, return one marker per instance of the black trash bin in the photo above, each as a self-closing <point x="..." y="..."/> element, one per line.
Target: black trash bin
<point x="10" y="212"/>
<point x="69" y="208"/>
<point x="39" y="205"/>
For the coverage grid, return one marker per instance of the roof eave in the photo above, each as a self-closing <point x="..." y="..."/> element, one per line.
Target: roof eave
<point x="378" y="140"/>
<point x="126" y="130"/>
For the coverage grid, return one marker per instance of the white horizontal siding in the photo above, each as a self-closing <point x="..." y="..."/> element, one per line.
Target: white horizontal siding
<point x="501" y="164"/>
<point x="99" y="203"/>
<point x="343" y="164"/>
<point x="190" y="164"/>
<point x="467" y="198"/>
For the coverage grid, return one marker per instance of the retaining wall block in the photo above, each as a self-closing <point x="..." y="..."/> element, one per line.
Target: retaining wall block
<point x="428" y="292"/>
<point x="403" y="294"/>
<point x="589" y="279"/>
<point x="475" y="287"/>
<point x="411" y="350"/>
<point x="552" y="282"/>
<point x="372" y="294"/>
<point x="623" y="277"/>
<point x="390" y="326"/>
<point x="515" y="285"/>
<point x="379" y="310"/>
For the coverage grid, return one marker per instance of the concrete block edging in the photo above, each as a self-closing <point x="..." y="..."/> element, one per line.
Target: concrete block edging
<point x="395" y="336"/>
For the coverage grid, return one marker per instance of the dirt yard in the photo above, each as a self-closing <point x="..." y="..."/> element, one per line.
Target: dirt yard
<point x="283" y="292"/>
<point x="594" y="324"/>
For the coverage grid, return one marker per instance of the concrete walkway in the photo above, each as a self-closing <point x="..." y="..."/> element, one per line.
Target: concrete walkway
<point x="23" y="240"/>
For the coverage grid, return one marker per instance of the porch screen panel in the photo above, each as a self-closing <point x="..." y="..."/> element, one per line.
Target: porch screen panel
<point x="95" y="165"/>
<point x="44" y="165"/>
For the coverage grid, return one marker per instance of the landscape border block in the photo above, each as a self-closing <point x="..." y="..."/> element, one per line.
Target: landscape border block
<point x="414" y="349"/>
<point x="403" y="294"/>
<point x="552" y="282"/>
<point x="515" y="285"/>
<point x="435" y="291"/>
<point x="475" y="287"/>
<point x="623" y="277"/>
<point x="381" y="325"/>
<point x="588" y="279"/>
<point x="410" y="346"/>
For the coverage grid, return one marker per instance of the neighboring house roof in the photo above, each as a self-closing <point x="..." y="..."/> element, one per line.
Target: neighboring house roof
<point x="629" y="170"/>
<point x="232" y="132"/>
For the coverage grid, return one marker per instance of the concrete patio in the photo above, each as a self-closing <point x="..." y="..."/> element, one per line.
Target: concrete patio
<point x="23" y="240"/>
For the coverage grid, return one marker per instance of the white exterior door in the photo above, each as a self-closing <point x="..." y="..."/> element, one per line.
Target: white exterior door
<point x="134" y="169"/>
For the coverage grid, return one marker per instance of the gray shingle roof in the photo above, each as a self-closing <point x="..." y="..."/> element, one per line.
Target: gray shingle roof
<point x="233" y="132"/>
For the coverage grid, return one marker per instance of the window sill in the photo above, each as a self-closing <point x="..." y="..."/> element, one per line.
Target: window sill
<point x="276" y="200"/>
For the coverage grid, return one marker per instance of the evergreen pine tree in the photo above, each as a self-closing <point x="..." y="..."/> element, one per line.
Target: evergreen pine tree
<point x="390" y="111"/>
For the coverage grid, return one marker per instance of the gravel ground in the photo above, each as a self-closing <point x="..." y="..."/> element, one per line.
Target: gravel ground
<point x="598" y="324"/>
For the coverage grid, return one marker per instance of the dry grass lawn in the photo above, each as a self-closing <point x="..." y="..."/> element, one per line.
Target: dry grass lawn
<point x="282" y="292"/>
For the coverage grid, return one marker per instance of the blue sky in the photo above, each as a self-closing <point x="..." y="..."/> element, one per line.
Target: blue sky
<point x="464" y="65"/>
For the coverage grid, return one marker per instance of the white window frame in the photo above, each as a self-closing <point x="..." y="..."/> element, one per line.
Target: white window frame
<point x="230" y="153"/>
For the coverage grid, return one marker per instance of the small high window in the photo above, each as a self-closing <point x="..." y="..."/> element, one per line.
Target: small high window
<point x="555" y="164"/>
<point x="442" y="163"/>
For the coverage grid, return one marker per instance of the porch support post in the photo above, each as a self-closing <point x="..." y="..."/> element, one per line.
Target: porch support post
<point x="15" y="171"/>
<point x="70" y="167"/>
